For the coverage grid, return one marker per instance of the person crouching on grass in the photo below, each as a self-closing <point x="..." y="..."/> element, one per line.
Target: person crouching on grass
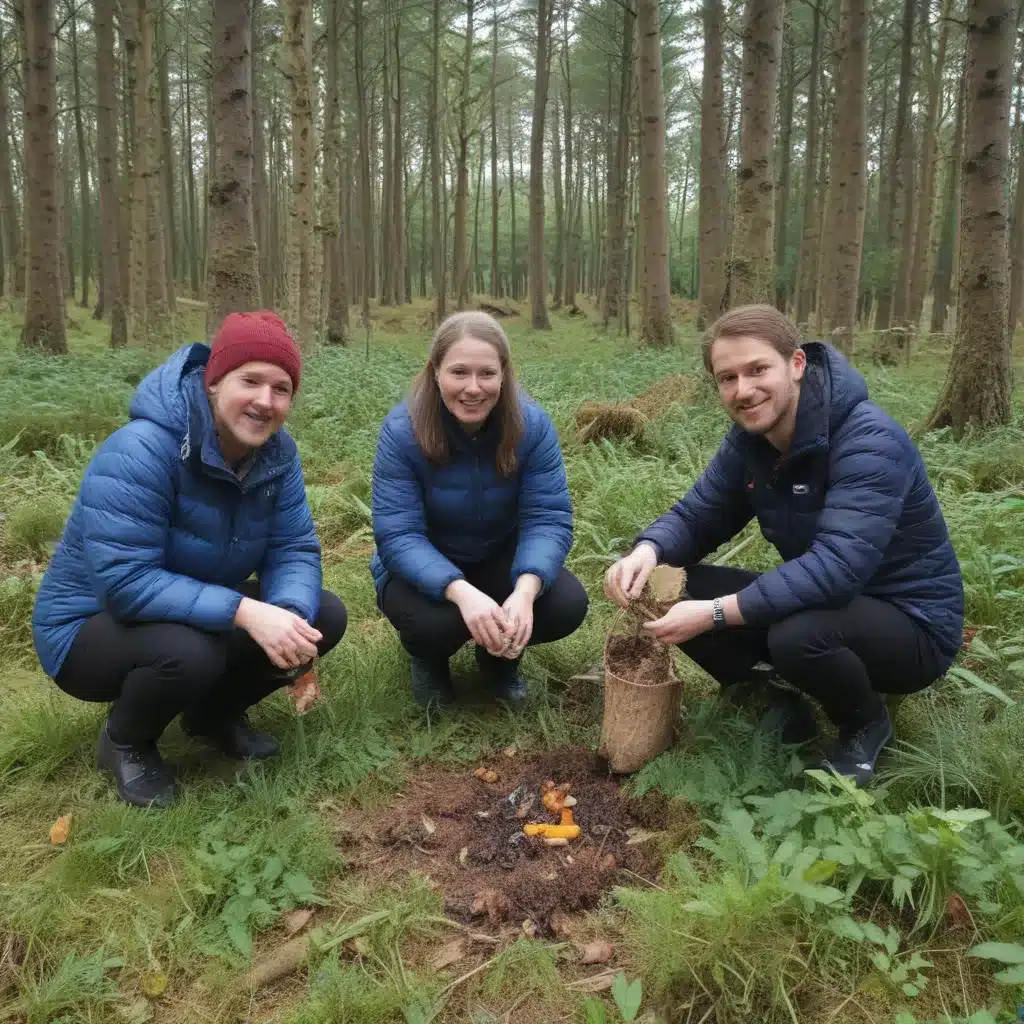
<point x="147" y="601"/>
<point x="471" y="516"/>
<point x="869" y="597"/>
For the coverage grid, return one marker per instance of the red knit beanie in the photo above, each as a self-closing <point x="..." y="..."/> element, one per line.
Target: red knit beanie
<point x="259" y="337"/>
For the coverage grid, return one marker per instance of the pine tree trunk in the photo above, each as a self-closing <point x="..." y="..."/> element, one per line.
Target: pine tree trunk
<point x="751" y="269"/>
<point x="558" y="264"/>
<point x="513" y="271"/>
<point x="807" y="264"/>
<point x="260" y="196"/>
<point x="782" y="192"/>
<point x="496" y="289"/>
<point x="573" y="189"/>
<point x="44" y="328"/>
<point x="10" y="215"/>
<point x="461" y="275"/>
<point x="438" y="266"/>
<point x="846" y="203"/>
<point x="615" y="283"/>
<point x="979" y="377"/>
<point x="298" y="44"/>
<point x="942" y="279"/>
<point x="656" y="319"/>
<point x="83" y="166"/>
<point x="190" y="179"/>
<point x="112" y="298"/>
<point x="929" y="159"/>
<point x="232" y="270"/>
<point x="398" y="241"/>
<point x="538" y="255"/>
<point x="476" y="274"/>
<point x="713" y="188"/>
<point x="337" y="327"/>
<point x="894" y="210"/>
<point x="166" y="212"/>
<point x="1017" y="220"/>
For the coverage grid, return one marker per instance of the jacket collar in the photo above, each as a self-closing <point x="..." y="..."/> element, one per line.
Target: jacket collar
<point x="459" y="439"/>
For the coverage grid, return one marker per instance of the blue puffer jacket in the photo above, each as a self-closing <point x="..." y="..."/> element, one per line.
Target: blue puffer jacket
<point x="427" y="517"/>
<point x="162" y="530"/>
<point x="850" y="508"/>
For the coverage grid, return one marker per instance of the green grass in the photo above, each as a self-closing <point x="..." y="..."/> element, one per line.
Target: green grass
<point x="731" y="931"/>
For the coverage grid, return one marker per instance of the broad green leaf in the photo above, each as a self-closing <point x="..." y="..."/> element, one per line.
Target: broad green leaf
<point x="1004" y="952"/>
<point x="239" y="936"/>
<point x="821" y="871"/>
<point x="627" y="996"/>
<point x="847" y="928"/>
<point x="299" y="886"/>
<point x="881" y="961"/>
<point x="873" y="933"/>
<point x="910" y="990"/>
<point x="594" y="1011"/>
<point x="1012" y="975"/>
<point x="273" y="869"/>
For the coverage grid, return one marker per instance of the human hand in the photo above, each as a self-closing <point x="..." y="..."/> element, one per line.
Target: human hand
<point x="518" y="609"/>
<point x="624" y="581"/>
<point x="483" y="616"/>
<point x="286" y="638"/>
<point x="682" y="622"/>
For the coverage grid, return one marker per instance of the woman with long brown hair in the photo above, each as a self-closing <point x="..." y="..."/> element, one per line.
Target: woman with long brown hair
<point x="471" y="516"/>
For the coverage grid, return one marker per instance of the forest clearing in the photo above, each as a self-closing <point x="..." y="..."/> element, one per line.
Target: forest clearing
<point x="160" y="915"/>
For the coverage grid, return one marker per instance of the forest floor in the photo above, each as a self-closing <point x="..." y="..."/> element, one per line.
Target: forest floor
<point x="367" y="875"/>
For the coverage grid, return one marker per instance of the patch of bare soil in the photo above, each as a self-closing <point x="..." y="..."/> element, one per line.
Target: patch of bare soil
<point x="639" y="659"/>
<point x="466" y="834"/>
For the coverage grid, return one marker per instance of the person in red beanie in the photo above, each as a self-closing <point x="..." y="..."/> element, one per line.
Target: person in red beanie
<point x="148" y="602"/>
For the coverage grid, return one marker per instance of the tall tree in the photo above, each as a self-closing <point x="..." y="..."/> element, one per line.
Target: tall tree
<point x="463" y="132"/>
<point x="111" y="297"/>
<point x="44" y="295"/>
<point x="942" y="280"/>
<point x="85" y="219"/>
<point x="656" y="320"/>
<point x="337" y="325"/>
<point x="785" y="175"/>
<point x="434" y="114"/>
<point x="711" y="214"/>
<point x="232" y="271"/>
<point x="538" y="255"/>
<point x="298" y="41"/>
<point x="807" y="262"/>
<point x="752" y="272"/>
<point x="979" y="377"/>
<point x="10" y="216"/>
<point x="844" y="233"/>
<point x="495" y="271"/>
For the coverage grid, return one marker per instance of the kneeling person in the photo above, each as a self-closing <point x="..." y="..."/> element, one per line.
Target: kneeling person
<point x="146" y="602"/>
<point x="869" y="597"/>
<point x="471" y="516"/>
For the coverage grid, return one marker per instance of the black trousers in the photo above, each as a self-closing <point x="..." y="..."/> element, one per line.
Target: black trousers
<point x="842" y="657"/>
<point x="434" y="630"/>
<point x="152" y="671"/>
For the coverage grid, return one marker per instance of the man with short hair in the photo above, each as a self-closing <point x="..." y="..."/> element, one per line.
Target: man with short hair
<point x="869" y="597"/>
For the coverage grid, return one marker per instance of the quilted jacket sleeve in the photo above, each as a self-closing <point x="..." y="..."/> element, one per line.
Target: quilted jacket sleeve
<point x="868" y="485"/>
<point x="400" y="519"/>
<point x="714" y="509"/>
<point x="291" y="576"/>
<point x="126" y="498"/>
<point x="545" y="511"/>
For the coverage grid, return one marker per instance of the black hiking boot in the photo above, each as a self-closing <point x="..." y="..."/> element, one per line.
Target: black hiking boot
<point x="503" y="677"/>
<point x="856" y="751"/>
<point x="233" y="738"/>
<point x="431" y="683"/>
<point x="140" y="776"/>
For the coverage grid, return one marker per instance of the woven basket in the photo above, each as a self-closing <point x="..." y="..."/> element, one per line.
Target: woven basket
<point x="640" y="720"/>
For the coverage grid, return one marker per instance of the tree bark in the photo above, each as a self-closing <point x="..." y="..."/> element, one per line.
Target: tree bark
<point x="10" y="215"/>
<point x="496" y="289"/>
<point x="615" y="284"/>
<point x="558" y="264"/>
<point x="538" y="255"/>
<point x="462" y="169"/>
<point x="44" y="328"/>
<point x="844" y="233"/>
<point x="782" y="191"/>
<point x="979" y="377"/>
<point x="260" y="196"/>
<point x="942" y="280"/>
<point x="1017" y="219"/>
<point x="807" y="264"/>
<point x="337" y="326"/>
<point x="711" y="213"/>
<point x="111" y="297"/>
<point x="298" y="44"/>
<point x="166" y="161"/>
<point x="232" y="269"/>
<point x="434" y="129"/>
<point x="85" y="234"/>
<point x="656" y="319"/>
<point x="751" y="269"/>
<point x="894" y="211"/>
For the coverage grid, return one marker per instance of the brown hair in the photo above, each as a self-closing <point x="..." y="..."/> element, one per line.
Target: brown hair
<point x="425" y="396"/>
<point x="756" y="321"/>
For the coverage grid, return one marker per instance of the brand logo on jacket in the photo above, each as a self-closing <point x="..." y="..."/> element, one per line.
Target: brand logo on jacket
<point x="801" y="488"/>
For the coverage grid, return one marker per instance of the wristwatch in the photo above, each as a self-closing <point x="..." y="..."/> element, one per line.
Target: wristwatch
<point x="717" y="614"/>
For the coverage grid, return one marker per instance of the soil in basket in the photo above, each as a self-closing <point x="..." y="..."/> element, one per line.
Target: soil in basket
<point x="639" y="659"/>
<point x="464" y="834"/>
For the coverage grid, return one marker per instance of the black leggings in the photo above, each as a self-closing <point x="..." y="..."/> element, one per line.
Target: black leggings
<point x="842" y="657"/>
<point x="154" y="670"/>
<point x="434" y="630"/>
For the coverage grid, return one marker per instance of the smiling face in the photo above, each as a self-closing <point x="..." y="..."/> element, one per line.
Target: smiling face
<point x="759" y="386"/>
<point x="469" y="379"/>
<point x="250" y="404"/>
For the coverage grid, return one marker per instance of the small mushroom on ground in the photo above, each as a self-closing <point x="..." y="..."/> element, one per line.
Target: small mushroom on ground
<point x="487" y="774"/>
